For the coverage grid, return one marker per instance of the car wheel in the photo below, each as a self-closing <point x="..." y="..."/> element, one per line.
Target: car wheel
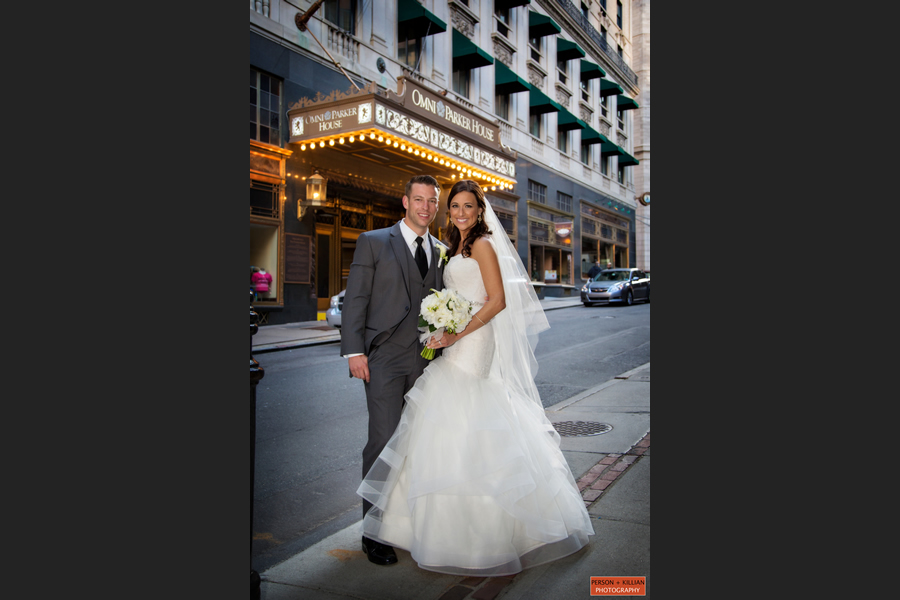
<point x="648" y="297"/>
<point x="629" y="298"/>
<point x="588" y="303"/>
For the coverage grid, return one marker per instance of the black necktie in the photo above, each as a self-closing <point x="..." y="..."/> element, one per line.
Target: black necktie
<point x="420" y="258"/>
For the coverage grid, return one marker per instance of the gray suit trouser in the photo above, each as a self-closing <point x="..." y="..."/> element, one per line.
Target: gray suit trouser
<point x="393" y="369"/>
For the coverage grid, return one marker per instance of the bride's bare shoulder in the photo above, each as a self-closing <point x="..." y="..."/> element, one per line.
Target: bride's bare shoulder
<point x="483" y="247"/>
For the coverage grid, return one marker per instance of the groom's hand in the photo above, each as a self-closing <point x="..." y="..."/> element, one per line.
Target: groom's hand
<point x="359" y="367"/>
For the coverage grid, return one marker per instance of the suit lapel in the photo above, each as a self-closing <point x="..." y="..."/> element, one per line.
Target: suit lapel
<point x="436" y="260"/>
<point x="401" y="253"/>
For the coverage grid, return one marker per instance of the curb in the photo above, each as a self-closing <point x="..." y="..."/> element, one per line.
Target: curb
<point x="588" y="392"/>
<point x="296" y="344"/>
<point x="330" y="339"/>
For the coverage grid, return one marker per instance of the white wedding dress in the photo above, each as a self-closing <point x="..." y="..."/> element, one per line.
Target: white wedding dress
<point x="473" y="481"/>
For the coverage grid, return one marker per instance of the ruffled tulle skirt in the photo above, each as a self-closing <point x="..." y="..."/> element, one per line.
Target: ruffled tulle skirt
<point x="473" y="482"/>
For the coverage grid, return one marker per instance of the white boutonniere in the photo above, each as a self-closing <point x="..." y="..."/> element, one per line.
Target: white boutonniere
<point x="442" y="249"/>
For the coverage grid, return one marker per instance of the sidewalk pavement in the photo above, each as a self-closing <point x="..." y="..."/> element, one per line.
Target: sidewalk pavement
<point x="612" y="470"/>
<point x="270" y="338"/>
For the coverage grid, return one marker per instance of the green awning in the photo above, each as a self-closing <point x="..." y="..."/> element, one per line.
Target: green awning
<point x="591" y="71"/>
<point x="627" y="160"/>
<point x="415" y="21"/>
<point x="625" y="103"/>
<point x="540" y="25"/>
<point x="609" y="88"/>
<point x="566" y="50"/>
<point x="510" y="3"/>
<point x="566" y="121"/>
<point x="608" y="148"/>
<point x="507" y="82"/>
<point x="591" y="136"/>
<point x="539" y="103"/>
<point x="466" y="55"/>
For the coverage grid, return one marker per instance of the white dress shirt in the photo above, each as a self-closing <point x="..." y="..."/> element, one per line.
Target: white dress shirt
<point x="410" y="237"/>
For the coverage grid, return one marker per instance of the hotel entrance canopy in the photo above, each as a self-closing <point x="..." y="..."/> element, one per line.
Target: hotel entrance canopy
<point x="413" y="131"/>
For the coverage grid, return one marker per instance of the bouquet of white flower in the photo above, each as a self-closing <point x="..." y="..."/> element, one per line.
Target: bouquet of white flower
<point x="442" y="311"/>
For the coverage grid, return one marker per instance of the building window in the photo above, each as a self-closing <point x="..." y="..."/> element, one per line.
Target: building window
<point x="603" y="32"/>
<point x="621" y="174"/>
<point x="537" y="192"/>
<point x="550" y="265"/>
<point x="586" y="154"/>
<point x="536" y="125"/>
<point x="586" y="90"/>
<point x="502" y="20"/>
<point x="564" y="201"/>
<point x="264" y="199"/>
<point x="508" y="222"/>
<point x="562" y="140"/>
<point x="604" y="106"/>
<point x="562" y="68"/>
<point x="619" y="14"/>
<point x="619" y="50"/>
<point x="537" y="54"/>
<point x="461" y="80"/>
<point x="501" y="106"/>
<point x="342" y="13"/>
<point x="409" y="51"/>
<point x="265" y="108"/>
<point x="620" y="117"/>
<point x="584" y="11"/>
<point x="604" y="165"/>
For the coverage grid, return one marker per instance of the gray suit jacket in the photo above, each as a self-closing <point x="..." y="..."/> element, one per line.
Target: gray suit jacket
<point x="377" y="297"/>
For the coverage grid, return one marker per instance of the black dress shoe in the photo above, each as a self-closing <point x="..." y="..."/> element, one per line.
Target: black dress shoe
<point x="378" y="553"/>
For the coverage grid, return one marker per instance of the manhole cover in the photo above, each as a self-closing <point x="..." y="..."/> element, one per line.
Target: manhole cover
<point x="581" y="428"/>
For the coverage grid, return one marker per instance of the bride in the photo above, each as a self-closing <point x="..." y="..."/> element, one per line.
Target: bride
<point x="473" y="481"/>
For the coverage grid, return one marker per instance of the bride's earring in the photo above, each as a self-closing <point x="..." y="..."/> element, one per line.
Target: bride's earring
<point x="479" y="217"/>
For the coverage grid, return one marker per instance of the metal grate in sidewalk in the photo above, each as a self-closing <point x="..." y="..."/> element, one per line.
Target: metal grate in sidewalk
<point x="581" y="428"/>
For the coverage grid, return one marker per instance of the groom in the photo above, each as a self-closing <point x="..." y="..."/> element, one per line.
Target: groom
<point x="392" y="270"/>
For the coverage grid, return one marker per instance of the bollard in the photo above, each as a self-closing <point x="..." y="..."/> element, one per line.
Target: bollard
<point x="256" y="373"/>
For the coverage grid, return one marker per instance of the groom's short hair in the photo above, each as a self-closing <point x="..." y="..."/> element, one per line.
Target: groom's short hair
<point x="426" y="179"/>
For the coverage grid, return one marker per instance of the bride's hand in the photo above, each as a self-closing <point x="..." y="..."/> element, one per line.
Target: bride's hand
<point x="447" y="339"/>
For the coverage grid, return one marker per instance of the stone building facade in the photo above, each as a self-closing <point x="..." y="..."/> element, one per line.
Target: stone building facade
<point x="540" y="101"/>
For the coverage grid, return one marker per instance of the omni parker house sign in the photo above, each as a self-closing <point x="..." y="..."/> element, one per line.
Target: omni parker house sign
<point x="431" y="126"/>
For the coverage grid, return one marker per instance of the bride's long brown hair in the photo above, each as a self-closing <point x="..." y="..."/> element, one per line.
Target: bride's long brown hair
<point x="479" y="229"/>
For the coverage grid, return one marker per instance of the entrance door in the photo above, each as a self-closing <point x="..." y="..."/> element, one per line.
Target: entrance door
<point x="348" y="247"/>
<point x="323" y="268"/>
